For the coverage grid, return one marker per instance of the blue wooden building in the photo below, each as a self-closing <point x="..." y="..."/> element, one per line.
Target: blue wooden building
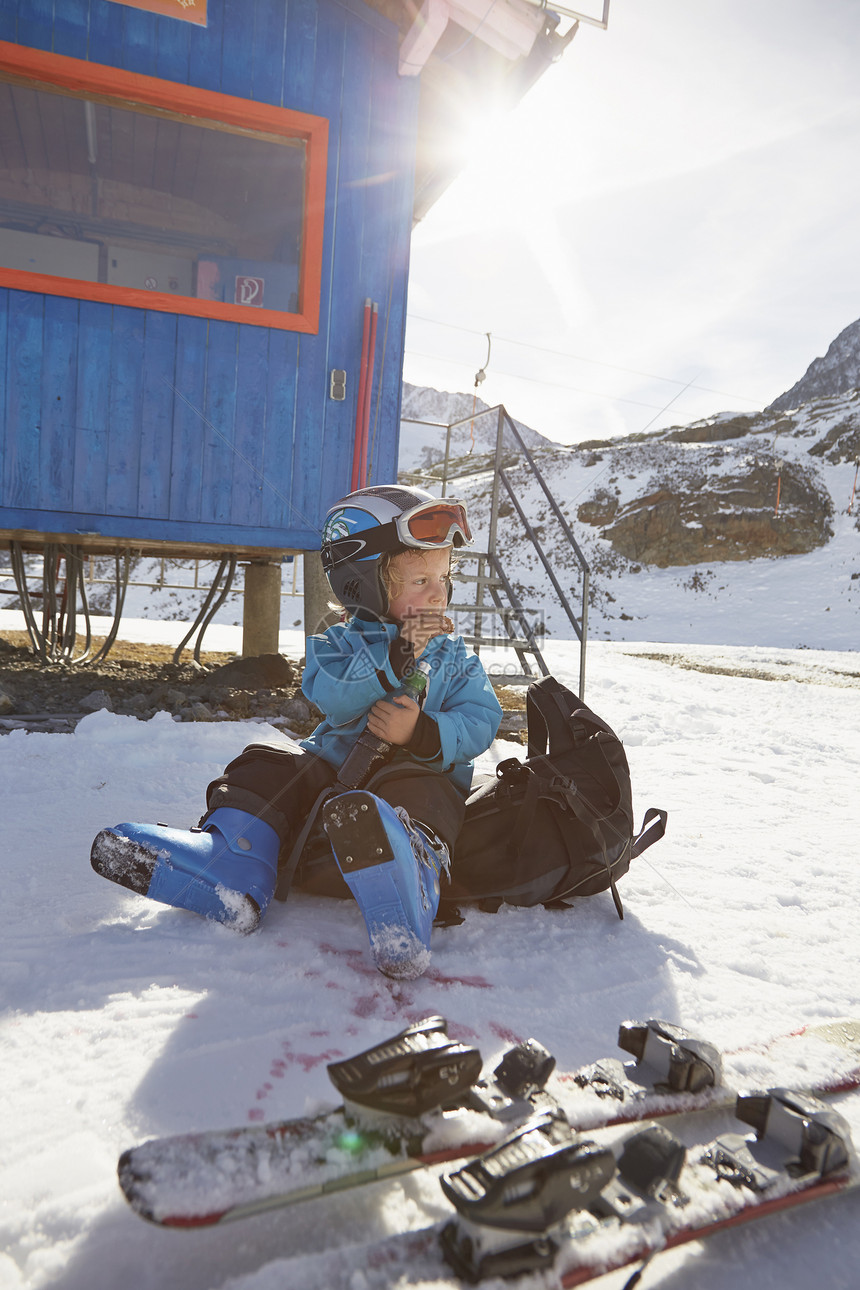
<point x="197" y="199"/>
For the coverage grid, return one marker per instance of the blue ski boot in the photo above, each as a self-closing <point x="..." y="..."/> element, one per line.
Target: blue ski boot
<point x="391" y="865"/>
<point x="225" y="871"/>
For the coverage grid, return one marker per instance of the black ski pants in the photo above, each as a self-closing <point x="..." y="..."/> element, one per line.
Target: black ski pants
<point x="282" y="785"/>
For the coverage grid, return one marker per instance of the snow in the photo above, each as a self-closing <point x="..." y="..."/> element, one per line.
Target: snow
<point x="801" y="600"/>
<point x="125" y="1019"/>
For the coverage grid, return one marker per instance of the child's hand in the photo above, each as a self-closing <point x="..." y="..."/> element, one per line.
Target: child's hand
<point x="394" y="720"/>
<point x="420" y="628"/>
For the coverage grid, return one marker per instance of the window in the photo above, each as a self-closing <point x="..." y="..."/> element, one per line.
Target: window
<point x="122" y="188"/>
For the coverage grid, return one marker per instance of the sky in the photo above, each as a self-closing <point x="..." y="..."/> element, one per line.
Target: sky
<point x="663" y="229"/>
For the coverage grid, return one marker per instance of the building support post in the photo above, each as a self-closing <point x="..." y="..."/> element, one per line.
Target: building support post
<point x="261" y="613"/>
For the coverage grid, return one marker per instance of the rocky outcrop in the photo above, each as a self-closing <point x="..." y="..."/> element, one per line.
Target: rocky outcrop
<point x="834" y="374"/>
<point x="727" y="517"/>
<point x="141" y="680"/>
<point x="841" y="443"/>
<point x="599" y="510"/>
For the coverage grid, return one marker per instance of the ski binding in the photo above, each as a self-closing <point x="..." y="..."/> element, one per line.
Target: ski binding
<point x="545" y="1187"/>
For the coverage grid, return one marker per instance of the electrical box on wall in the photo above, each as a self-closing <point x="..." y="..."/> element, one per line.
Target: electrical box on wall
<point x="149" y="270"/>
<point x="41" y="253"/>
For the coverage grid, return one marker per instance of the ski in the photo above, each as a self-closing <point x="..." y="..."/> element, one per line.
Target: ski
<point x="418" y="1100"/>
<point x="583" y="1205"/>
<point x="564" y="1208"/>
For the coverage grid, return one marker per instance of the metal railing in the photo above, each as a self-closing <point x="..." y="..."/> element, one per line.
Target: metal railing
<point x="497" y="465"/>
<point x="52" y="622"/>
<point x="160" y="583"/>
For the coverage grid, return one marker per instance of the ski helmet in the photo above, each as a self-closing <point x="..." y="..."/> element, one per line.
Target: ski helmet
<point x="383" y="520"/>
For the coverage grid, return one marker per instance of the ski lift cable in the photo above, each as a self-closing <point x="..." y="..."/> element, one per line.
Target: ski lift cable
<point x="580" y="358"/>
<point x="536" y="380"/>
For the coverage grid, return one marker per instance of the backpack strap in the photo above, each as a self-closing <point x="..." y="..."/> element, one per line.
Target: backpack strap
<point x="536" y="724"/>
<point x="528" y="806"/>
<point x="653" y="828"/>
<point x="592" y="820"/>
<point x="550" y="712"/>
<point x="286" y="871"/>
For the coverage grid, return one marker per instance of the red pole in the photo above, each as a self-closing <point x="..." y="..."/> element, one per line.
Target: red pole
<point x="365" y="429"/>
<point x="359" y="407"/>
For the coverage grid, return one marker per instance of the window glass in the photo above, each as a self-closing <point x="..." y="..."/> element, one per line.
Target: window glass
<point x="136" y="196"/>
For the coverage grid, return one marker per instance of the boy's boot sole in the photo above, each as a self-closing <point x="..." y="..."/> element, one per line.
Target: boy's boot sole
<point x="380" y="870"/>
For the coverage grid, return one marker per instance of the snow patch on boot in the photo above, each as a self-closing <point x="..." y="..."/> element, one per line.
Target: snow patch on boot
<point x="241" y="912"/>
<point x="124" y="861"/>
<point x="397" y="952"/>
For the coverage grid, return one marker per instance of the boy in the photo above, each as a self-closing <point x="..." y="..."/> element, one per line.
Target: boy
<point x="386" y="552"/>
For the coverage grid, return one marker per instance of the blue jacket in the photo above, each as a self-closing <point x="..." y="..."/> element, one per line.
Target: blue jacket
<point x="347" y="670"/>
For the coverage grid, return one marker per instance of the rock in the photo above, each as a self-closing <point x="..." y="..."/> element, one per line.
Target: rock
<point x="236" y="701"/>
<point x="840" y="444"/>
<point x="137" y="702"/>
<point x="7" y="703"/>
<point x="296" y="709"/>
<point x="599" y="509"/>
<point x="512" y="723"/>
<point x="216" y="693"/>
<point x="266" y="671"/>
<point x="95" y="701"/>
<point x="715" y="431"/>
<point x="201" y="712"/>
<point x="724" y="517"/>
<point x="836" y="373"/>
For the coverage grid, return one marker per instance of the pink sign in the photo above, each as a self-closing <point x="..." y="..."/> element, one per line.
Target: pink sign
<point x="249" y="291"/>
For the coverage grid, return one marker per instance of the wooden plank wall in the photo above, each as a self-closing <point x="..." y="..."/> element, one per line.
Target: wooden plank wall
<point x="143" y="425"/>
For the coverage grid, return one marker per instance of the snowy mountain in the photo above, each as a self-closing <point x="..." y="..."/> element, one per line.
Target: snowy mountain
<point x="836" y="373"/>
<point x="425" y="416"/>
<point x="733" y="529"/>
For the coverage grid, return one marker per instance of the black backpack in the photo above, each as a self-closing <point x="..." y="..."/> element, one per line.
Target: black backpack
<point x="560" y="823"/>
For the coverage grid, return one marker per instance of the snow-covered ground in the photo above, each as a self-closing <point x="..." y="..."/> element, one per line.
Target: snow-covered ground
<point x="125" y="1019"/>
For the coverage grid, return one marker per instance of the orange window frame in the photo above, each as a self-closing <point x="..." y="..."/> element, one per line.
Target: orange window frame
<point x="131" y="89"/>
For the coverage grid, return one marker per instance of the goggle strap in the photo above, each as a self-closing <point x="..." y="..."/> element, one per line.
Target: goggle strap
<point x="360" y="546"/>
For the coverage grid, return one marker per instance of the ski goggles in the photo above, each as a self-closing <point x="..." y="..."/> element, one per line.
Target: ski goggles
<point x="442" y="522"/>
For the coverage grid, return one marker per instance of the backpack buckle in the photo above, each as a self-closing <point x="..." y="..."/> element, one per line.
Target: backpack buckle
<point x="513" y="769"/>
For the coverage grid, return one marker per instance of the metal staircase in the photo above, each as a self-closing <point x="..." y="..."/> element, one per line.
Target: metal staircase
<point x="514" y="628"/>
<point x="521" y="635"/>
